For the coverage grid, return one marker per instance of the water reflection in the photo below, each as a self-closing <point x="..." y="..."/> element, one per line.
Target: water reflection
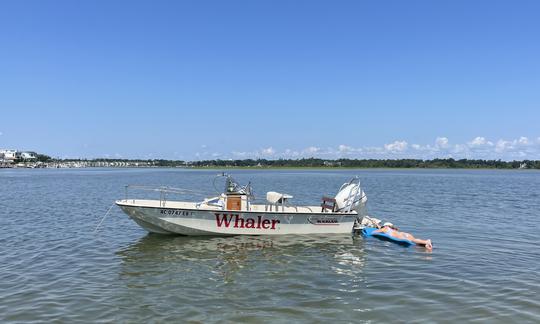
<point x="222" y="258"/>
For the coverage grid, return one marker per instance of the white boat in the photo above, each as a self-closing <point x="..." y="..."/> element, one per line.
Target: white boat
<point x="235" y="212"/>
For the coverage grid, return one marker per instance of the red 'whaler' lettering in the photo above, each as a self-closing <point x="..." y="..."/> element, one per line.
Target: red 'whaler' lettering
<point x="234" y="220"/>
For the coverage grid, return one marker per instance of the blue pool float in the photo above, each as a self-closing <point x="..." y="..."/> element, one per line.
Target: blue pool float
<point x="369" y="231"/>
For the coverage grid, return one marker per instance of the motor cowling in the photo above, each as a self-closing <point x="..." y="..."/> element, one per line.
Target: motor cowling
<point x="350" y="197"/>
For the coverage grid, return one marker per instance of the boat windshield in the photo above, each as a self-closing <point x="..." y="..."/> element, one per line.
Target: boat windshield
<point x="233" y="187"/>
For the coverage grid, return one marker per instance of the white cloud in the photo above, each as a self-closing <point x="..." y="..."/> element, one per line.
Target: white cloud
<point x="479" y="141"/>
<point x="312" y="150"/>
<point x="345" y="148"/>
<point x="424" y="148"/>
<point x="241" y="155"/>
<point x="268" y="151"/>
<point x="441" y="142"/>
<point x="288" y="153"/>
<point x="505" y="146"/>
<point x="3" y="134"/>
<point x="397" y="146"/>
<point x="523" y="140"/>
<point x="478" y="148"/>
<point x="502" y="145"/>
<point x="460" y="148"/>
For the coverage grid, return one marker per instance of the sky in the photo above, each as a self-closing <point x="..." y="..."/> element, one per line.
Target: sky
<point x="194" y="80"/>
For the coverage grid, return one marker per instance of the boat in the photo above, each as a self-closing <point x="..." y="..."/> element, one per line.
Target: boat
<point x="235" y="212"/>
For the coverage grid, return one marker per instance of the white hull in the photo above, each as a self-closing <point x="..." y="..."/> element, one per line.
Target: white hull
<point x="187" y="219"/>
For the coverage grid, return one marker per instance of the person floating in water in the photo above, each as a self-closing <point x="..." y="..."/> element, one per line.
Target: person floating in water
<point x="389" y="229"/>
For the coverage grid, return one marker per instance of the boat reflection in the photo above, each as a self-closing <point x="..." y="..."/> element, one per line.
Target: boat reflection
<point x="220" y="259"/>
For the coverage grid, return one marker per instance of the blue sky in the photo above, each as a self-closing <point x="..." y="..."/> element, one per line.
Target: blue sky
<point x="236" y="79"/>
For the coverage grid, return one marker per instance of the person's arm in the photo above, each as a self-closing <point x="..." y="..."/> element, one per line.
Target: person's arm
<point x="380" y="230"/>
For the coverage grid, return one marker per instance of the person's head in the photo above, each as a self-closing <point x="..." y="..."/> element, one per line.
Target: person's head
<point x="390" y="225"/>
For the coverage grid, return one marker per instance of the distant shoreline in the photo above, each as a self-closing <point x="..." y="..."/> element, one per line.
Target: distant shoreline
<point x="261" y="168"/>
<point x="44" y="161"/>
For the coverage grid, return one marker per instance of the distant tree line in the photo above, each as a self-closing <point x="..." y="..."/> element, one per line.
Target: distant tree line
<point x="43" y="158"/>
<point x="323" y="163"/>
<point x="373" y="163"/>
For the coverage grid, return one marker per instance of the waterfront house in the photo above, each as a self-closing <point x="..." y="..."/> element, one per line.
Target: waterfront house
<point x="8" y="155"/>
<point x="28" y="156"/>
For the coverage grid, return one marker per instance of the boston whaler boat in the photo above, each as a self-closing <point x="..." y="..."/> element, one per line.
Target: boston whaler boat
<point x="234" y="212"/>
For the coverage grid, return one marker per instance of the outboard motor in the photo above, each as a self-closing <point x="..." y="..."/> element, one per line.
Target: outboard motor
<point x="351" y="197"/>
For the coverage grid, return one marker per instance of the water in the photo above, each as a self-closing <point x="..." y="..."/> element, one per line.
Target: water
<point x="484" y="266"/>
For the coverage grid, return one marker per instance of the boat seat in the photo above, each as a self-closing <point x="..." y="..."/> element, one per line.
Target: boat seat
<point x="328" y="204"/>
<point x="277" y="198"/>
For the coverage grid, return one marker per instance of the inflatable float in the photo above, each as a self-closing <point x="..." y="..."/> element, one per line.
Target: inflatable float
<point x="369" y="231"/>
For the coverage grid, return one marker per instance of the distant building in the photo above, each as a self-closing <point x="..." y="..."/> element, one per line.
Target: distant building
<point x="11" y="155"/>
<point x="8" y="155"/>
<point x="331" y="164"/>
<point x="28" y="156"/>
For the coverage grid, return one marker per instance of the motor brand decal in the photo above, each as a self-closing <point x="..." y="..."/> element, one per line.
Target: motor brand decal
<point x="323" y="220"/>
<point x="236" y="221"/>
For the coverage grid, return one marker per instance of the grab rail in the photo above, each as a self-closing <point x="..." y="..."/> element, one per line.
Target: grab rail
<point x="306" y="207"/>
<point x="162" y="192"/>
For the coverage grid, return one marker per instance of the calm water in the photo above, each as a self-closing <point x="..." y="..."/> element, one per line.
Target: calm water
<point x="485" y="264"/>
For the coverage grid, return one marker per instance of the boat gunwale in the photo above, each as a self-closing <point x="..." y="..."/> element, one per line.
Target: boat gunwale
<point x="125" y="203"/>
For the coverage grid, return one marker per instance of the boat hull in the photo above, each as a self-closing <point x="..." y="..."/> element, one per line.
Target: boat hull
<point x="186" y="221"/>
